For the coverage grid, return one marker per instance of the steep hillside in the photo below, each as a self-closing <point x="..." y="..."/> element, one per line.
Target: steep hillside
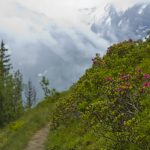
<point x="108" y="108"/>
<point x="17" y="134"/>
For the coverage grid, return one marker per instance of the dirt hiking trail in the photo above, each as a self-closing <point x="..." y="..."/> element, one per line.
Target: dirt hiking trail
<point x="38" y="139"/>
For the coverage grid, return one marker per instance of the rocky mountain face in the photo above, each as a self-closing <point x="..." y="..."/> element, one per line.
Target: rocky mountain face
<point x="119" y="25"/>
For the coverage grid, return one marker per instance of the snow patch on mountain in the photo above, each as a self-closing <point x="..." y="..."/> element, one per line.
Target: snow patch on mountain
<point x="115" y="25"/>
<point x="142" y="9"/>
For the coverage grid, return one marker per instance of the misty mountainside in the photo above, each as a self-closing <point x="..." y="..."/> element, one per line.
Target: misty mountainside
<point x="53" y="50"/>
<point x="62" y="52"/>
<point x="118" y="25"/>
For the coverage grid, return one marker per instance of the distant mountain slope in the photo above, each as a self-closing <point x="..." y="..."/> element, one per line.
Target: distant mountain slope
<point x="116" y="25"/>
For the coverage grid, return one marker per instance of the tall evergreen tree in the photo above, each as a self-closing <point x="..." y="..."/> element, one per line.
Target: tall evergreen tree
<point x="5" y="65"/>
<point x="30" y="94"/>
<point x="10" y="89"/>
<point x="17" y="93"/>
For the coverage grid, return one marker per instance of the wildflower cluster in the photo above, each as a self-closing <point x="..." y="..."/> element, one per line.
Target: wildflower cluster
<point x="120" y="102"/>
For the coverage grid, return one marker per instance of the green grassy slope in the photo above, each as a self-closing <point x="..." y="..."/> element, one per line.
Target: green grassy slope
<point x="109" y="107"/>
<point x="17" y="134"/>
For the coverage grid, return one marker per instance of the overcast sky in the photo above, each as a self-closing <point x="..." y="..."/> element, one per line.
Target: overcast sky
<point x="49" y="36"/>
<point x="65" y="10"/>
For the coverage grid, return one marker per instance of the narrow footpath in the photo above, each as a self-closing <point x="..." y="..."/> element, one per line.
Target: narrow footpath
<point x="38" y="139"/>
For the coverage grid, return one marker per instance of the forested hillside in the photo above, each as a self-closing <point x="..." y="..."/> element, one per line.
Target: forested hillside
<point x="12" y="88"/>
<point x="109" y="107"/>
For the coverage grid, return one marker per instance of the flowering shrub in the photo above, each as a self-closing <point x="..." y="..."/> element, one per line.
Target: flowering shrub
<point x="118" y="106"/>
<point x="147" y="76"/>
<point x="113" y="98"/>
<point x="147" y="84"/>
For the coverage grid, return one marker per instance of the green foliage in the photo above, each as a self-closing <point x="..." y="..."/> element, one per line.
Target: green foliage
<point x="45" y="86"/>
<point x="15" y="136"/>
<point x="30" y="94"/>
<point x="111" y="100"/>
<point x="14" y="126"/>
<point x="10" y="89"/>
<point x="107" y="109"/>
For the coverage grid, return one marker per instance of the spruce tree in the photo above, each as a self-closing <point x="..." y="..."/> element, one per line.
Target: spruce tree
<point x="30" y="94"/>
<point x="5" y="65"/>
<point x="17" y="93"/>
<point x="10" y="89"/>
<point x="4" y="73"/>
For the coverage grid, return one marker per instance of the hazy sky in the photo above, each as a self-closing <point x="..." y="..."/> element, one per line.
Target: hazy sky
<point x="65" y="10"/>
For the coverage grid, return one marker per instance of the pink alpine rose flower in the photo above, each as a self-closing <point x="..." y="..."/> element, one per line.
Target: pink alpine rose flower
<point x="146" y="76"/>
<point x="147" y="84"/>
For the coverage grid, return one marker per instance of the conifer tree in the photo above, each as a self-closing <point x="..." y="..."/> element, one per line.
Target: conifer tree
<point x="5" y="67"/>
<point x="30" y="94"/>
<point x="17" y="93"/>
<point x="10" y="89"/>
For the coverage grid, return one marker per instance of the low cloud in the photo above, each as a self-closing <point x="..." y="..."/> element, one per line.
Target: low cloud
<point x="59" y="46"/>
<point x="40" y="46"/>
